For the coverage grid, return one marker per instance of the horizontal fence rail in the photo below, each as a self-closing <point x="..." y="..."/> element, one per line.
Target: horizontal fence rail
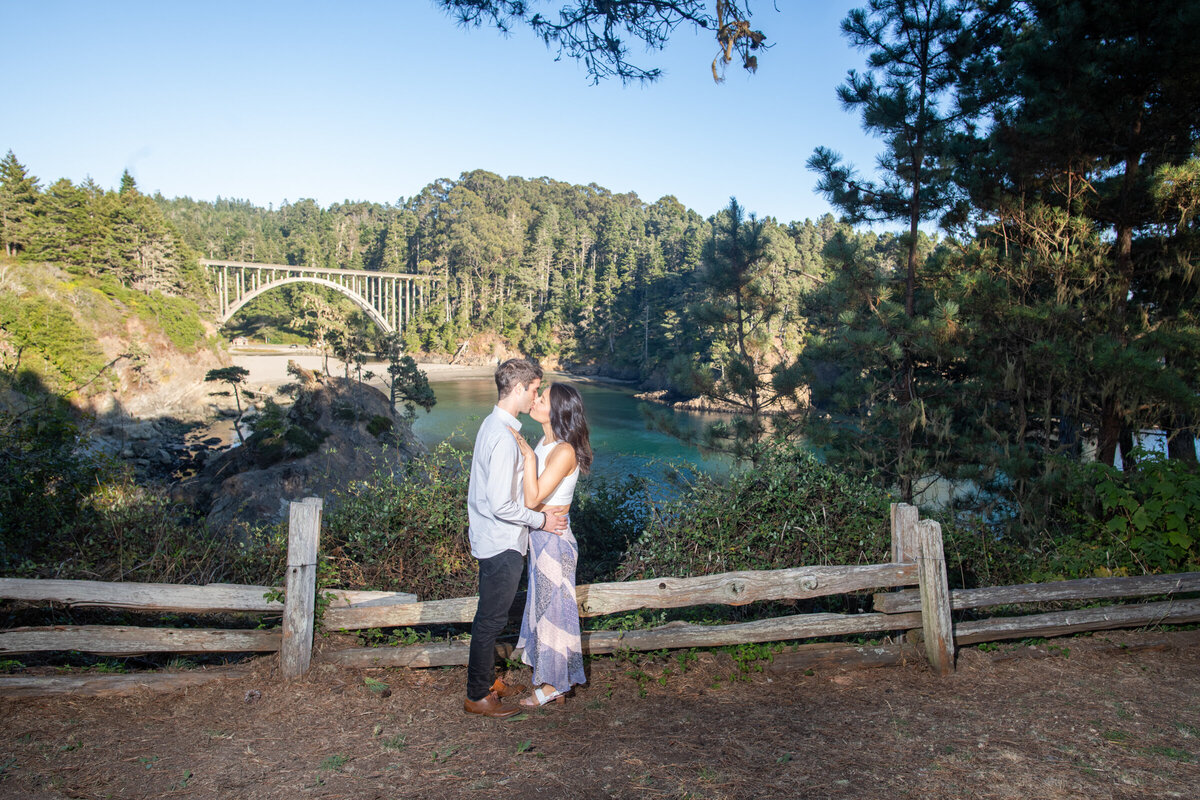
<point x="116" y="640"/>
<point x="1079" y="589"/>
<point x="1062" y="623"/>
<point x="598" y="599"/>
<point x="674" y="635"/>
<point x="210" y="598"/>
<point x="133" y="683"/>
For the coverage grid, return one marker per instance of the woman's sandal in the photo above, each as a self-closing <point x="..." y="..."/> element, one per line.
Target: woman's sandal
<point x="540" y="698"/>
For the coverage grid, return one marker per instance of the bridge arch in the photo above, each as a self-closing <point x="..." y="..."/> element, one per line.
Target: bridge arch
<point x="390" y="299"/>
<point x="358" y="299"/>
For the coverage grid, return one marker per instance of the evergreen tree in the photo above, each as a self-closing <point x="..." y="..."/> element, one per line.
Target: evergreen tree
<point x="1086" y="103"/>
<point x="68" y="230"/>
<point x="905" y="98"/>
<point x="407" y="383"/>
<point x="235" y="377"/>
<point x="738" y="313"/>
<point x="18" y="204"/>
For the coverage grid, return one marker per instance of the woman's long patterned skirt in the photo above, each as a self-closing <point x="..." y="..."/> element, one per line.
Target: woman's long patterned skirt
<point x="550" y="625"/>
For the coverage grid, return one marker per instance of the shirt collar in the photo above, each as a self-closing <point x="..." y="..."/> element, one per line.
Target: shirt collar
<point x="508" y="418"/>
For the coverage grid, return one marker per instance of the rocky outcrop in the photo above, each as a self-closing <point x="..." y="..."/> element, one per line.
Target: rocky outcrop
<point x="335" y="432"/>
<point x="671" y="399"/>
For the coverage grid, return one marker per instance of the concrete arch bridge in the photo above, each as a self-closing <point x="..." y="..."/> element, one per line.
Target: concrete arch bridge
<point x="390" y="299"/>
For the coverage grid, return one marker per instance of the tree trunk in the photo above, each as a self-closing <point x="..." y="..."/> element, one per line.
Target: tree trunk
<point x="1181" y="442"/>
<point x="1128" y="461"/>
<point x="1110" y="432"/>
<point x="645" y="334"/>
<point x="1111" y="418"/>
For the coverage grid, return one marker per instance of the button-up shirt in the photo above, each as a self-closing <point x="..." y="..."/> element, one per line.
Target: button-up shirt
<point x="498" y="517"/>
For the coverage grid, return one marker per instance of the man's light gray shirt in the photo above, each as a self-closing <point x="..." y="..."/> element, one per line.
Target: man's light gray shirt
<point x="496" y="509"/>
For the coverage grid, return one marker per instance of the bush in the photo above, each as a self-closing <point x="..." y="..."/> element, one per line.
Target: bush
<point x="50" y="341"/>
<point x="178" y="317"/>
<point x="379" y="425"/>
<point x="1154" y="512"/>
<point x="790" y="510"/>
<point x="43" y="480"/>
<point x="124" y="532"/>
<point x="404" y="533"/>
<point x="133" y="533"/>
<point x="1081" y="521"/>
<point x="606" y="516"/>
<point x="1129" y="523"/>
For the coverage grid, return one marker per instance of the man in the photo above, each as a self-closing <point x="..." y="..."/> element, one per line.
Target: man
<point x="499" y="530"/>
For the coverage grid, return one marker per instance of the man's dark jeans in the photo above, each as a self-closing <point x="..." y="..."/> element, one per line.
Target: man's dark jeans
<point x="498" y="579"/>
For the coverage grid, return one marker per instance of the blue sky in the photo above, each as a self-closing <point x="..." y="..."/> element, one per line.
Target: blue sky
<point x="271" y="101"/>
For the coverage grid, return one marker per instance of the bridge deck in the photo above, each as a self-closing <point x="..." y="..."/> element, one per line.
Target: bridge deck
<point x="205" y="262"/>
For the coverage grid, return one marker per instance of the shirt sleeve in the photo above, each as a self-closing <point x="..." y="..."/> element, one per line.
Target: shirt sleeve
<point x="501" y="486"/>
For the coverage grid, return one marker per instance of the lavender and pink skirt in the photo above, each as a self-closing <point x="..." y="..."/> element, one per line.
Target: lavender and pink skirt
<point x="550" y="625"/>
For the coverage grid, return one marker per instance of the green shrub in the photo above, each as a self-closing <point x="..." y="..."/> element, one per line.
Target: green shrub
<point x="978" y="554"/>
<point x="134" y="533"/>
<point x="276" y="436"/>
<point x="606" y="516"/>
<point x="43" y="479"/>
<point x="1126" y="523"/>
<point x="1081" y="521"/>
<point x="406" y="532"/>
<point x="1154" y="512"/>
<point x="379" y="425"/>
<point x="50" y="341"/>
<point x="125" y="532"/>
<point x="790" y="510"/>
<point x="178" y="317"/>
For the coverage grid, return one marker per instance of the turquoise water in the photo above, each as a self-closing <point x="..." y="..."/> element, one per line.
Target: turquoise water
<point x="622" y="443"/>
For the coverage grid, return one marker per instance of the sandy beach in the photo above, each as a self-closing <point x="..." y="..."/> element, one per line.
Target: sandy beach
<point x="270" y="369"/>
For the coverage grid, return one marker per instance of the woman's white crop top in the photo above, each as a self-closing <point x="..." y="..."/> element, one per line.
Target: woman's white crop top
<point x="565" y="491"/>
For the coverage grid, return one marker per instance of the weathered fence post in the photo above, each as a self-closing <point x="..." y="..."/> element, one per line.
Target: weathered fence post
<point x="904" y="518"/>
<point x="935" y="597"/>
<point x="904" y="533"/>
<point x="304" y="531"/>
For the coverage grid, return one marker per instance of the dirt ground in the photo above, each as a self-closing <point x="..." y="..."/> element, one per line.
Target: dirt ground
<point x="1113" y="715"/>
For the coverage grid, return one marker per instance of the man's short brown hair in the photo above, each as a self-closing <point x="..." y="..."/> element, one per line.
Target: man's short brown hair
<point x="516" y="372"/>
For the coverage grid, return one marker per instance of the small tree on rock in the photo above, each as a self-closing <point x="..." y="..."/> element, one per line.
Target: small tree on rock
<point x="234" y="376"/>
<point x="406" y="381"/>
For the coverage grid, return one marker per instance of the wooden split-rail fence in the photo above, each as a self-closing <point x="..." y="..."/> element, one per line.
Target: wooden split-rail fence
<point x="920" y="604"/>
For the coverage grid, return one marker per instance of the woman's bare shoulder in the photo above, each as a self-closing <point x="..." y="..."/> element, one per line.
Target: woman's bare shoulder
<point x="562" y="451"/>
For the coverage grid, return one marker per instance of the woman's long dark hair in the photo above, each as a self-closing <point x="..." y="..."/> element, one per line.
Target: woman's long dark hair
<point x="569" y="422"/>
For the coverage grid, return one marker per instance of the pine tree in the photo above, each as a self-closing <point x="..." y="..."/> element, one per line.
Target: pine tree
<point x="1086" y="103"/>
<point x="18" y="204"/>
<point x="905" y="98"/>
<point x="737" y="315"/>
<point x="406" y="382"/>
<point x="235" y="377"/>
<point x="595" y="33"/>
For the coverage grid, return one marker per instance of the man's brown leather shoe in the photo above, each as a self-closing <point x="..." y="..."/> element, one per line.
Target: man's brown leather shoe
<point x="489" y="706"/>
<point x="502" y="689"/>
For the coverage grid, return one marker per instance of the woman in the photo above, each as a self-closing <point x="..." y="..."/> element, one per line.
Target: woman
<point x="550" y="627"/>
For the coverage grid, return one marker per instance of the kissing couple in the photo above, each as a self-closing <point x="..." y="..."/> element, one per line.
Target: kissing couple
<point x="517" y="502"/>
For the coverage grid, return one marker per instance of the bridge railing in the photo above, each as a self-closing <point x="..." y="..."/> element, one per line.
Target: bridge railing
<point x="390" y="299"/>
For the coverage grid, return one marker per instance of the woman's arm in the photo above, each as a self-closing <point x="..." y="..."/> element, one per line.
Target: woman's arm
<point x="530" y="477"/>
<point x="559" y="464"/>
